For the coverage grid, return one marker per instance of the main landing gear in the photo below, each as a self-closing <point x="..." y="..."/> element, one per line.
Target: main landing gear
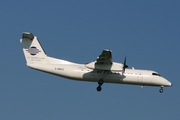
<point x="161" y="89"/>
<point x="101" y="81"/>
<point x="105" y="72"/>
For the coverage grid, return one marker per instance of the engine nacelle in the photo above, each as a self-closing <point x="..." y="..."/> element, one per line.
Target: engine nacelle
<point x="113" y="67"/>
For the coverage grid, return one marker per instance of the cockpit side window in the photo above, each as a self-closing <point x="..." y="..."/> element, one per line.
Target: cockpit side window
<point x="156" y="74"/>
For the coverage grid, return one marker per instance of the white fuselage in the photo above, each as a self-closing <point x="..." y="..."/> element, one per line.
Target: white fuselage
<point x="82" y="73"/>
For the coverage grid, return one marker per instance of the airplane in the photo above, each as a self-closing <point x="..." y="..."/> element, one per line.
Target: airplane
<point x="102" y="70"/>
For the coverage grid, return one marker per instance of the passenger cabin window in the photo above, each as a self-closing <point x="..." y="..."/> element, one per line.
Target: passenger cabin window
<point x="156" y="74"/>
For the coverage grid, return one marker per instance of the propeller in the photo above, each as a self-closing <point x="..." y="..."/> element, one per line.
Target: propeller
<point x="124" y="65"/>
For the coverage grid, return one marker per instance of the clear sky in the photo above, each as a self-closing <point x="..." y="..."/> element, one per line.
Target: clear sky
<point x="146" y="32"/>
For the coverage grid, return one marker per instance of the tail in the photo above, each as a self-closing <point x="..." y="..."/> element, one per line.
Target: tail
<point x="33" y="51"/>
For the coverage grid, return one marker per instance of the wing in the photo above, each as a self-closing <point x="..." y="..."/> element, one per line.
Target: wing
<point x="104" y="62"/>
<point x="105" y="58"/>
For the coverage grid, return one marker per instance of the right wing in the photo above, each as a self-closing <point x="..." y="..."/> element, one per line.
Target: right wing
<point x="105" y="58"/>
<point x="104" y="62"/>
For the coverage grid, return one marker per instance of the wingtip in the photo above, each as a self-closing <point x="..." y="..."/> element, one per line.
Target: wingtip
<point x="107" y="50"/>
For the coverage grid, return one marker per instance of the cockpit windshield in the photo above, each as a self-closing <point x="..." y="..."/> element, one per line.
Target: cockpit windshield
<point x="156" y="74"/>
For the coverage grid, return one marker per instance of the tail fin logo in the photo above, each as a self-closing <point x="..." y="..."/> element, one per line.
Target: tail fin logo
<point x="33" y="50"/>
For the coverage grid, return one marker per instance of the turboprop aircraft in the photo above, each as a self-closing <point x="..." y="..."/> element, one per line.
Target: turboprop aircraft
<point x="103" y="70"/>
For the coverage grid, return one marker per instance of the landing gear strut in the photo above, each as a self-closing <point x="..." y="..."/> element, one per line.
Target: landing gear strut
<point x="161" y="89"/>
<point x="101" y="81"/>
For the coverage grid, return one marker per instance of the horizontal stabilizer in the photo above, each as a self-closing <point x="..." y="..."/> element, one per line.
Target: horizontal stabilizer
<point x="28" y="36"/>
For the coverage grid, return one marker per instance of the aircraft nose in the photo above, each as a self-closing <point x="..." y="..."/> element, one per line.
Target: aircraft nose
<point x="168" y="83"/>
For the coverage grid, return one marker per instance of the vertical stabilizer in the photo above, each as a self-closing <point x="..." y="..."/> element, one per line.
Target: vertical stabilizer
<point x="33" y="51"/>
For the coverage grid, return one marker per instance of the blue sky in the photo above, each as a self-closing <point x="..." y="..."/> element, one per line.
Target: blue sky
<point x="147" y="32"/>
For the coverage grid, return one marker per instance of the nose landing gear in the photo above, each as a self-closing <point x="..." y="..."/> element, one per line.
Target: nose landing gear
<point x="161" y="89"/>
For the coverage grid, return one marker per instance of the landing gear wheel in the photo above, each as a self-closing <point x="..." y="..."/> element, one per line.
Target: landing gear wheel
<point x="99" y="88"/>
<point x="100" y="82"/>
<point x="161" y="90"/>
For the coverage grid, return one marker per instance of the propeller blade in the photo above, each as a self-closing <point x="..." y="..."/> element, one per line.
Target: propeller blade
<point x="124" y="65"/>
